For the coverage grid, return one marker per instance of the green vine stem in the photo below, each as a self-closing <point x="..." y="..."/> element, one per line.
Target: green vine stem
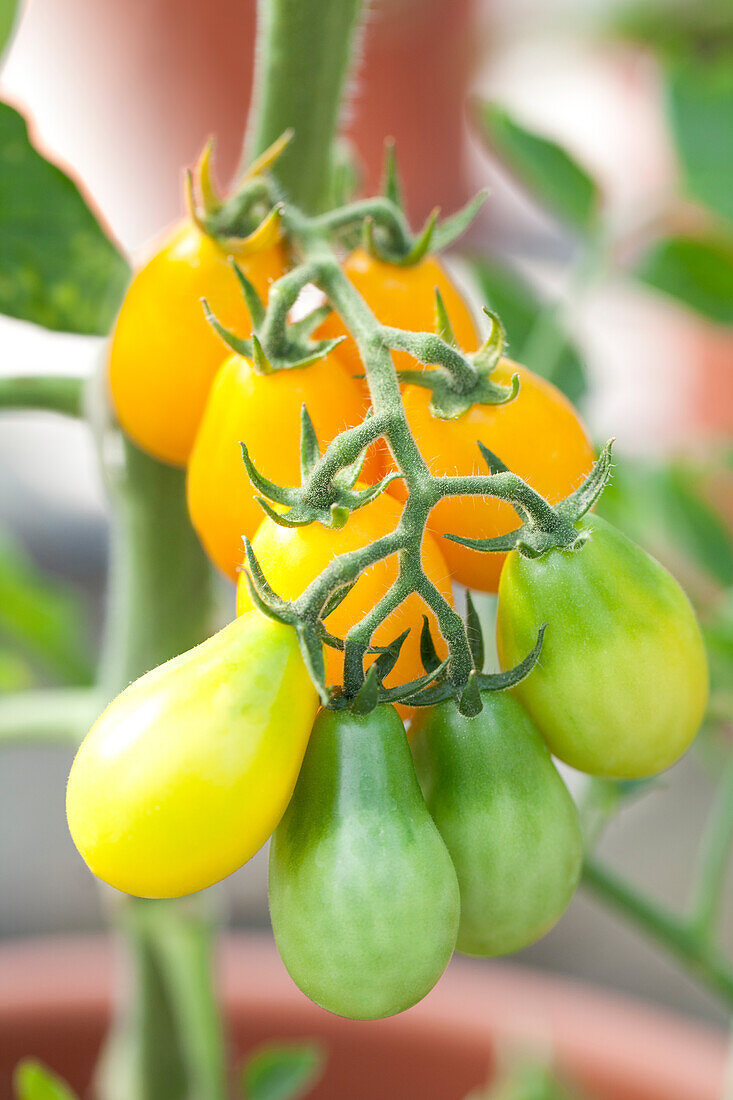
<point x="303" y="56"/>
<point x="310" y="239"/>
<point x="50" y="392"/>
<point x="166" y="1039"/>
<point x="714" y="859"/>
<point x="675" y="934"/>
<point x="48" y="715"/>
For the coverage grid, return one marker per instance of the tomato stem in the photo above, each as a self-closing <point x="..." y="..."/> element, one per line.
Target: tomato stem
<point x="715" y="853"/>
<point x="701" y="958"/>
<point x="51" y="392"/>
<point x="303" y="56"/>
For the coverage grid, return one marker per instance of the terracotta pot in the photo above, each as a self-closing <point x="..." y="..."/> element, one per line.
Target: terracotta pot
<point x="54" y="1002"/>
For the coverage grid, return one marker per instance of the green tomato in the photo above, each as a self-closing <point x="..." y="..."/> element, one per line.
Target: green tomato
<point x="506" y="817"/>
<point x="621" y="686"/>
<point x="363" y="895"/>
<point x="189" y="770"/>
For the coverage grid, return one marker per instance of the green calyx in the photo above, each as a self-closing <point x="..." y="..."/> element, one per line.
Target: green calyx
<point x="307" y="621"/>
<point x="469" y="699"/>
<point x="276" y="343"/>
<point x="246" y="221"/>
<point x="328" y="502"/>
<point x="386" y="234"/>
<point x="544" y="527"/>
<point x="457" y="381"/>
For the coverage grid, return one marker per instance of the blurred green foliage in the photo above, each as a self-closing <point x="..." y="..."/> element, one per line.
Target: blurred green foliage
<point x="8" y="16"/>
<point x="59" y="269"/>
<point x="33" y="1081"/>
<point x="528" y="1080"/>
<point x="43" y="626"/>
<point x="521" y="310"/>
<point x="283" y="1072"/>
<point x="696" y="271"/>
<point x="541" y="166"/>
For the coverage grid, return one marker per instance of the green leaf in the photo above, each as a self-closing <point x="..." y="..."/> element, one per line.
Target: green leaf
<point x="59" y="269"/>
<point x="550" y="174"/>
<point x="519" y="308"/>
<point x="33" y="1081"/>
<point x="700" y="104"/>
<point x="282" y="1072"/>
<point x="696" y="271"/>
<point x="8" y="15"/>
<point x="42" y="619"/>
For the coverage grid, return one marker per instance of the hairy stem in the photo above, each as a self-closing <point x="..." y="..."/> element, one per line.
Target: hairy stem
<point x="159" y="604"/>
<point x="699" y="957"/>
<point x="303" y="56"/>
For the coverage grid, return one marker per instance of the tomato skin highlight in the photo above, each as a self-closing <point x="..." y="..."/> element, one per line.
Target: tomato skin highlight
<point x="363" y="895"/>
<point x="292" y="557"/>
<point x="506" y="817"/>
<point x="164" y="353"/>
<point x="186" y="773"/>
<point x="262" y="411"/>
<point x="538" y="435"/>
<point x="621" y="686"/>
<point x="402" y="297"/>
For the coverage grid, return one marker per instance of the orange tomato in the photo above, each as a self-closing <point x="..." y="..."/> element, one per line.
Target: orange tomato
<point x="292" y="557"/>
<point x="164" y="353"/>
<point x="538" y="435"/>
<point x="403" y="297"/>
<point x="262" y="411"/>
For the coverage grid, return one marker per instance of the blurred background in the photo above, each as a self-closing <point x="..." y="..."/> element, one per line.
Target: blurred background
<point x="124" y="95"/>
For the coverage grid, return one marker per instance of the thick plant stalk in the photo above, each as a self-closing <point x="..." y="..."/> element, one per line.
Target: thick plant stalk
<point x="303" y="56"/>
<point x="166" y="1041"/>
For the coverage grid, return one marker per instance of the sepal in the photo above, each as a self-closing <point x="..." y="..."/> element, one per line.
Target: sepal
<point x="447" y="402"/>
<point x="415" y="252"/>
<point x="450" y="229"/>
<point x="532" y="539"/>
<point x="443" y="326"/>
<point x="429" y="696"/>
<point x="303" y="506"/>
<point x="458" y="380"/>
<point x="238" y="223"/>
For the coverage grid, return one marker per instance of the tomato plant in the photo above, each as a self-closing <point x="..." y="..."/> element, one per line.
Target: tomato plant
<point x="345" y="582"/>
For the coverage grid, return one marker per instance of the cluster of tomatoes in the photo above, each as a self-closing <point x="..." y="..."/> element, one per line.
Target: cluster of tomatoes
<point x="387" y="853"/>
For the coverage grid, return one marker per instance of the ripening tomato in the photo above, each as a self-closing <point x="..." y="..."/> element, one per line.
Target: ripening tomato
<point x="164" y="353"/>
<point x="292" y="557"/>
<point x="403" y="297"/>
<point x="621" y="687"/>
<point x="538" y="435"/>
<point x="506" y="817"/>
<point x="187" y="772"/>
<point x="363" y="895"/>
<point x="262" y="411"/>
